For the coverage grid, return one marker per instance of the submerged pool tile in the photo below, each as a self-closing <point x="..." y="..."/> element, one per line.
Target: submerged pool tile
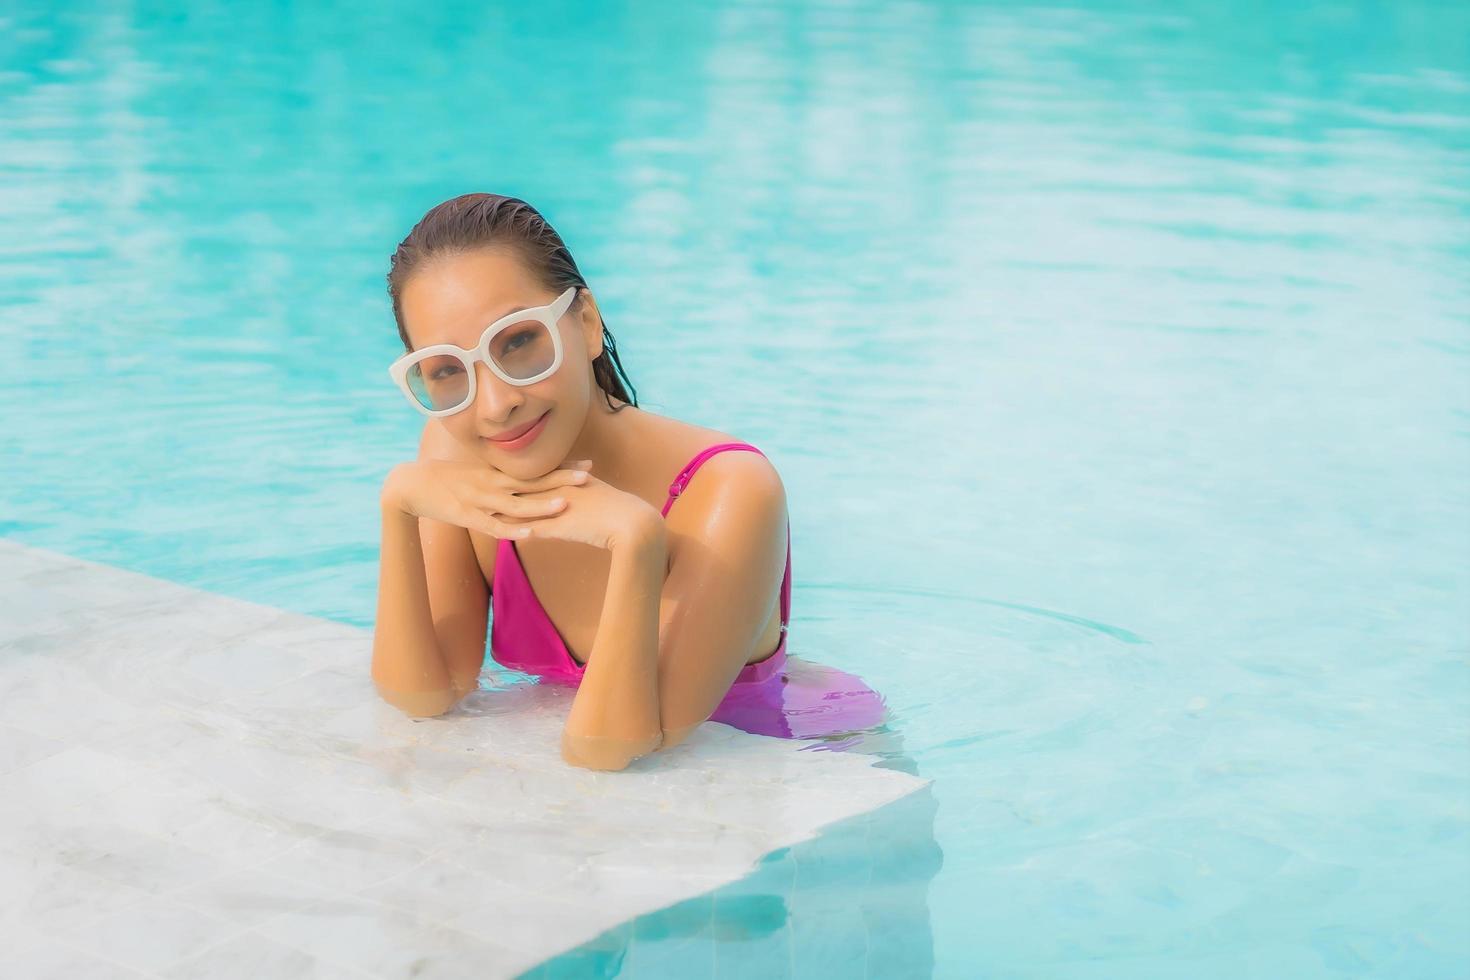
<point x="223" y="777"/>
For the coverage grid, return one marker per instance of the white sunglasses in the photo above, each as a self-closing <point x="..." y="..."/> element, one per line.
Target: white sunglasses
<point x="440" y="379"/>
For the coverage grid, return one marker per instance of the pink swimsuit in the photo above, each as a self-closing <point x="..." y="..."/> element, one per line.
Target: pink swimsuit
<point x="523" y="637"/>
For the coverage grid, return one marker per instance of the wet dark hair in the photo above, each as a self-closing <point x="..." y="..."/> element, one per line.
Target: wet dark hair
<point x="471" y="221"/>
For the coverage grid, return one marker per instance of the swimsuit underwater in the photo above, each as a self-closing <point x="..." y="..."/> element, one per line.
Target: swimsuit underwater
<point x="523" y="637"/>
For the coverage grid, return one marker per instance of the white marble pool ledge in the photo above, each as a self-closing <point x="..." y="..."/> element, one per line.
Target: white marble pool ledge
<point x="196" y="786"/>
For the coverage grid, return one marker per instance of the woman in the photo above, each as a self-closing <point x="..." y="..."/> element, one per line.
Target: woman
<point x="541" y="486"/>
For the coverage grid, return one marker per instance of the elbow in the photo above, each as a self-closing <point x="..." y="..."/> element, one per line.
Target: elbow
<point x="421" y="704"/>
<point x="675" y="736"/>
<point x="603" y="753"/>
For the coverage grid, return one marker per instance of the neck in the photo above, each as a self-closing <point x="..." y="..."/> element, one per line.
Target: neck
<point x="608" y="438"/>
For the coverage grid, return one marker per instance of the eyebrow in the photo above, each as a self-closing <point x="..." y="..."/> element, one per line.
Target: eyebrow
<point x="513" y="309"/>
<point x="486" y="324"/>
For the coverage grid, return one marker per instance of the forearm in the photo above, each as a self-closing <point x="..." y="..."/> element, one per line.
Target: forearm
<point x="408" y="668"/>
<point x="615" y="715"/>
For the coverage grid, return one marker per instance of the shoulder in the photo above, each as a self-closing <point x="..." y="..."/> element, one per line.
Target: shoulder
<point x="739" y="469"/>
<point x="728" y="471"/>
<point x="733" y="487"/>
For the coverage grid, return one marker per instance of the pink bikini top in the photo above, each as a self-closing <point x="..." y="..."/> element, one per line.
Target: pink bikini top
<point x="523" y="637"/>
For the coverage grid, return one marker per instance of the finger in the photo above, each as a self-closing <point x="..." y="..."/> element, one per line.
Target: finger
<point x="499" y="529"/>
<point x="544" y="527"/>
<point x="558" y="478"/>
<point x="549" y="481"/>
<point x="522" y="507"/>
<point x="475" y="519"/>
<point x="539" y="527"/>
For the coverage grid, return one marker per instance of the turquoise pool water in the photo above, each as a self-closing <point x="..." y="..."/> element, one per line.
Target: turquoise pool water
<point x="1115" y="362"/>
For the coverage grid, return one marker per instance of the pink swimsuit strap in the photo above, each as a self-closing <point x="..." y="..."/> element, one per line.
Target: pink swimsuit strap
<point x="677" y="487"/>
<point x="682" y="480"/>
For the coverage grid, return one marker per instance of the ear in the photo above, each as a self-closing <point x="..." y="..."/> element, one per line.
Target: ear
<point x="590" y="321"/>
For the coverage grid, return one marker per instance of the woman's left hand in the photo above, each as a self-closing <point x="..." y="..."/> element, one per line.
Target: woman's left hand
<point x="595" y="513"/>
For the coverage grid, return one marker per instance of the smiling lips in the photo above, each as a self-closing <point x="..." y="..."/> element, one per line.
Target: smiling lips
<point x="518" y="437"/>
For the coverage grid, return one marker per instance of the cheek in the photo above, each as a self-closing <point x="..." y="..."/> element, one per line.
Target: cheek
<point x="461" y="426"/>
<point x="564" y="391"/>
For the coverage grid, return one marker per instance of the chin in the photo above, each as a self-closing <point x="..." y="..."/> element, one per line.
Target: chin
<point x="522" y="466"/>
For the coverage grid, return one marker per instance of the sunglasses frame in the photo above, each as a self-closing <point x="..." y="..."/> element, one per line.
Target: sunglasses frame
<point x="548" y="314"/>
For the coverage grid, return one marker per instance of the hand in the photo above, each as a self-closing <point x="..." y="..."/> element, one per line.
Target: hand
<point x="476" y="496"/>
<point x="599" y="514"/>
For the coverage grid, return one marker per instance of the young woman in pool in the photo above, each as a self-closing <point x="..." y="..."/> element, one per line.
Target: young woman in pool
<point x="542" y="488"/>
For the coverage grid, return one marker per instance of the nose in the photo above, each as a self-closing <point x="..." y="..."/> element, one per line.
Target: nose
<point x="494" y="399"/>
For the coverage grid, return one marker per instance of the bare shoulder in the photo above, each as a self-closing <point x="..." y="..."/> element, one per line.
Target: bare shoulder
<point x="738" y="484"/>
<point x="739" y="469"/>
<point x="737" y="465"/>
<point x="687" y="439"/>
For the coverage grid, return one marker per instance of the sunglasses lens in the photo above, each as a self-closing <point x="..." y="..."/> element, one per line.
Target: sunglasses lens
<point x="523" y="350"/>
<point x="439" y="382"/>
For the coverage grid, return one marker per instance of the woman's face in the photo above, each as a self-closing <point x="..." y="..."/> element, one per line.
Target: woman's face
<point x="451" y="300"/>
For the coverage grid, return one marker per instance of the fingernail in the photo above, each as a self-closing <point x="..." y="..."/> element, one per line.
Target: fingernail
<point x="558" y="501"/>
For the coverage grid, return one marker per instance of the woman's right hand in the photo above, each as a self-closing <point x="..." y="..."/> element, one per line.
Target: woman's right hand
<point x="476" y="496"/>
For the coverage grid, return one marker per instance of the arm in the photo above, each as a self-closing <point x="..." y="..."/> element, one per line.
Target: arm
<point x="723" y="586"/>
<point x="614" y="717"/>
<point x="433" y="606"/>
<point x="693" y="625"/>
<point x="409" y="671"/>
